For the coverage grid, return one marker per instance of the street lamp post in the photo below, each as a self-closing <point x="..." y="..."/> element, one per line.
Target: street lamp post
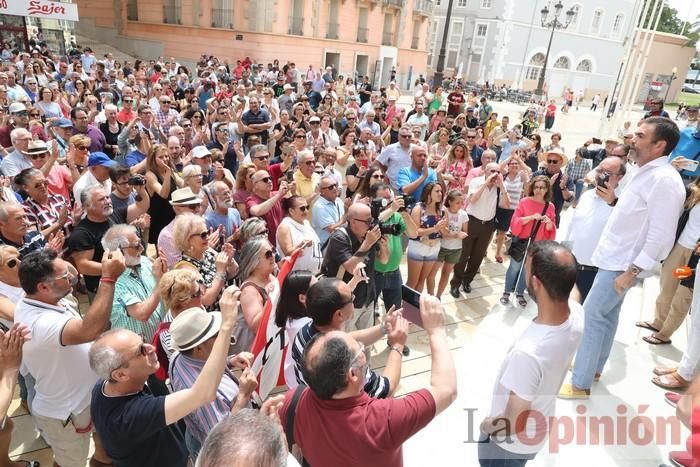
<point x="552" y="24"/>
<point x="670" y="82"/>
<point x="437" y="77"/>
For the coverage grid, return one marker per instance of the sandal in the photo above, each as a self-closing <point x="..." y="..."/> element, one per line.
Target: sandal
<point x="646" y="325"/>
<point x="505" y="299"/>
<point x="672" y="381"/>
<point x="521" y="300"/>
<point x="662" y="370"/>
<point x="499" y="258"/>
<point x="653" y="340"/>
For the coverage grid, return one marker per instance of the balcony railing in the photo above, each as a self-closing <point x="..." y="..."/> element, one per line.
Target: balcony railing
<point x="171" y="14"/>
<point x="296" y="25"/>
<point x="414" y="42"/>
<point x="222" y="18"/>
<point x="387" y="38"/>
<point x="332" y="31"/>
<point x="395" y="3"/>
<point x="362" y="34"/>
<point x="423" y="7"/>
<point x="132" y="10"/>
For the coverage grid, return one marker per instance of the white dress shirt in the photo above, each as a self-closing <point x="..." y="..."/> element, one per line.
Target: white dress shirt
<point x="642" y="227"/>
<point x="485" y="207"/>
<point x="587" y="224"/>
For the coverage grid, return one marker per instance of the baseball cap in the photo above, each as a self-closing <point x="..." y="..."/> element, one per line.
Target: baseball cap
<point x="287" y="87"/>
<point x="193" y="327"/>
<point x="692" y="108"/>
<point x="101" y="159"/>
<point x="314" y="119"/>
<point x="17" y="107"/>
<point x="61" y="123"/>
<point x="199" y="152"/>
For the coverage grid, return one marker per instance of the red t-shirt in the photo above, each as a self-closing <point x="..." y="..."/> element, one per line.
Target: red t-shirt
<point x="551" y="110"/>
<point x="358" y="430"/>
<point x="273" y="217"/>
<point x="275" y="171"/>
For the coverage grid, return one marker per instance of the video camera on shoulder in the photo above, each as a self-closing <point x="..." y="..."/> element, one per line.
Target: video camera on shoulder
<point x="136" y="180"/>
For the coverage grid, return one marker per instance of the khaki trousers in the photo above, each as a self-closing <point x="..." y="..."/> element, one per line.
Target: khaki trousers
<point x="674" y="300"/>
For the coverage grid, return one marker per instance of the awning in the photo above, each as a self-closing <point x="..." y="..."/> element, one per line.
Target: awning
<point x="40" y="9"/>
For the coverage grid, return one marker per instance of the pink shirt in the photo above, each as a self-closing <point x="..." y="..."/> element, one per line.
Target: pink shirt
<point x="527" y="207"/>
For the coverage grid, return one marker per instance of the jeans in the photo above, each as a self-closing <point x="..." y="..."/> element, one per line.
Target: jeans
<point x="193" y="445"/>
<point x="548" y="122"/>
<point x="514" y="268"/>
<point x="492" y="455"/>
<point x="584" y="282"/>
<point x="601" y="313"/>
<point x="388" y="285"/>
<point x="579" y="189"/>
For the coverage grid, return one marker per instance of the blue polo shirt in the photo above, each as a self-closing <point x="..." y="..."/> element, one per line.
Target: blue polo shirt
<point x="689" y="147"/>
<point x="325" y="213"/>
<point x="408" y="175"/>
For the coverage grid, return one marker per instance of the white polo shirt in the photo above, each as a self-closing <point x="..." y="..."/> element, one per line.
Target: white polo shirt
<point x="64" y="380"/>
<point x="485" y="207"/>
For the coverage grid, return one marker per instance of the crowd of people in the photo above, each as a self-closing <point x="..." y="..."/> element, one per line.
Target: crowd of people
<point x="173" y="199"/>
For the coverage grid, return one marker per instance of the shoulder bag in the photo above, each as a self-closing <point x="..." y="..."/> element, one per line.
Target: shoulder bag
<point x="518" y="246"/>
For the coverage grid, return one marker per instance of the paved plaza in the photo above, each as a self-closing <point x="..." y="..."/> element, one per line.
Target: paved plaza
<point x="480" y="332"/>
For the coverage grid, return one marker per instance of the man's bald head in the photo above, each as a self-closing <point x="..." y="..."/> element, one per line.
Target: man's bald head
<point x="359" y="210"/>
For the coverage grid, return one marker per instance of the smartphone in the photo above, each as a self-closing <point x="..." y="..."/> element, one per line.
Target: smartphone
<point x="411" y="305"/>
<point x="290" y="176"/>
<point x="691" y="165"/>
<point x="364" y="163"/>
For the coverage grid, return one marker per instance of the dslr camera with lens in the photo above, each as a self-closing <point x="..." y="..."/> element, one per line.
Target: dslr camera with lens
<point x="136" y="180"/>
<point x="377" y="205"/>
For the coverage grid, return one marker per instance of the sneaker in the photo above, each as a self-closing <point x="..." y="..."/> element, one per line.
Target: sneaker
<point x="454" y="291"/>
<point x="568" y="391"/>
<point x="406" y="351"/>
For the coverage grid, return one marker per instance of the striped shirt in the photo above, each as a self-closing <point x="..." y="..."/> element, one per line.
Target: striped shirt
<point x="376" y="386"/>
<point x="577" y="170"/>
<point x="184" y="371"/>
<point x="134" y="286"/>
<point x="514" y="188"/>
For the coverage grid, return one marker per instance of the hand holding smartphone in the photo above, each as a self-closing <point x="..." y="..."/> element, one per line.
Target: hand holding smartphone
<point x="411" y="305"/>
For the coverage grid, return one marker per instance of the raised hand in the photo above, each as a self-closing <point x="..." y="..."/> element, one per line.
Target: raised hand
<point x="112" y="264"/>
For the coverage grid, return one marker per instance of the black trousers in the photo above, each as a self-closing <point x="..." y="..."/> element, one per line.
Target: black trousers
<point x="474" y="248"/>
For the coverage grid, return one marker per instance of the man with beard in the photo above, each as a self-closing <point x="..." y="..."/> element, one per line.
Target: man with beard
<point x="222" y="213"/>
<point x="57" y="354"/>
<point x="133" y="307"/>
<point x="81" y="125"/>
<point x="536" y="364"/>
<point x="84" y="242"/>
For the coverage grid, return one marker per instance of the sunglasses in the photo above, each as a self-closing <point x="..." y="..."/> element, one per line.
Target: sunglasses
<point x="299" y="137"/>
<point x="12" y="263"/>
<point x="377" y="176"/>
<point x="38" y="156"/>
<point x="266" y="180"/>
<point x="553" y="161"/>
<point x="82" y="148"/>
<point x="330" y="187"/>
<point x="34" y="114"/>
<point x="203" y="235"/>
<point x="128" y="101"/>
<point x="260" y="158"/>
<point x="41" y="184"/>
<point x="187" y="125"/>
<point x="320" y="172"/>
<point x="269" y="254"/>
<point x="310" y="163"/>
<point x="303" y="208"/>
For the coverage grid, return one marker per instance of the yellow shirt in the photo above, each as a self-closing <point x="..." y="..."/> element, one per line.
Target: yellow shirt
<point x="490" y="126"/>
<point x="306" y="186"/>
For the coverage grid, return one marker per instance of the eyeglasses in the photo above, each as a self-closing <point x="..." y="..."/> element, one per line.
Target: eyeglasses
<point x="62" y="276"/>
<point x="553" y="161"/>
<point x="261" y="158"/>
<point x="38" y="156"/>
<point x="41" y="184"/>
<point x="311" y="162"/>
<point x="377" y="176"/>
<point x="350" y="118"/>
<point x="203" y="235"/>
<point x="265" y="180"/>
<point x="299" y="136"/>
<point x="405" y="136"/>
<point x="269" y="254"/>
<point x="128" y="101"/>
<point x="330" y="187"/>
<point x="82" y="148"/>
<point x="135" y="246"/>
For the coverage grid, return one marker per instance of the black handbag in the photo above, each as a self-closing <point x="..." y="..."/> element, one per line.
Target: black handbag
<point x="518" y="246"/>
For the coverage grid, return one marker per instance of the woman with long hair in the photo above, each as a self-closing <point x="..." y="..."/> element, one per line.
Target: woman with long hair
<point x="440" y="148"/>
<point x="357" y="170"/>
<point x="244" y="188"/>
<point x="344" y="158"/>
<point x="200" y="129"/>
<point x="258" y="283"/>
<point x="457" y="165"/>
<point x="534" y="153"/>
<point x="450" y="242"/>
<point x="514" y="180"/>
<point x="527" y="217"/>
<point x="423" y="250"/>
<point x="193" y="178"/>
<point x="161" y="180"/>
<point x="291" y="315"/>
<point x="674" y="299"/>
<point x="373" y="176"/>
<point x="391" y="133"/>
<point x="47" y="105"/>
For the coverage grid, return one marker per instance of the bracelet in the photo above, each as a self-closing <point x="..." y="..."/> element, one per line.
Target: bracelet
<point x="108" y="280"/>
<point x="397" y="351"/>
<point x="382" y="327"/>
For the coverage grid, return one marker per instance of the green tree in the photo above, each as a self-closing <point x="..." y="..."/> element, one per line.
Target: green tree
<point x="671" y="23"/>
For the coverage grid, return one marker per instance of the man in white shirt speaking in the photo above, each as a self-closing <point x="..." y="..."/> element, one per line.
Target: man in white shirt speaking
<point x="640" y="233"/>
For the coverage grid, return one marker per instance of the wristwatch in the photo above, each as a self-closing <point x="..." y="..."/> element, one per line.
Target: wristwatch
<point x="634" y="270"/>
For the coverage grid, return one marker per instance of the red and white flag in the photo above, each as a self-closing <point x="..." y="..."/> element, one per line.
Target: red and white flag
<point x="270" y="344"/>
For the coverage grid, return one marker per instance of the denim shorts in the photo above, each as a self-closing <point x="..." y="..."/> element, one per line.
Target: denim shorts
<point x="419" y="251"/>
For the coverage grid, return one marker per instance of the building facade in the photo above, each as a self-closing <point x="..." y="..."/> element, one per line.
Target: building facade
<point x="503" y="41"/>
<point x="358" y="37"/>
